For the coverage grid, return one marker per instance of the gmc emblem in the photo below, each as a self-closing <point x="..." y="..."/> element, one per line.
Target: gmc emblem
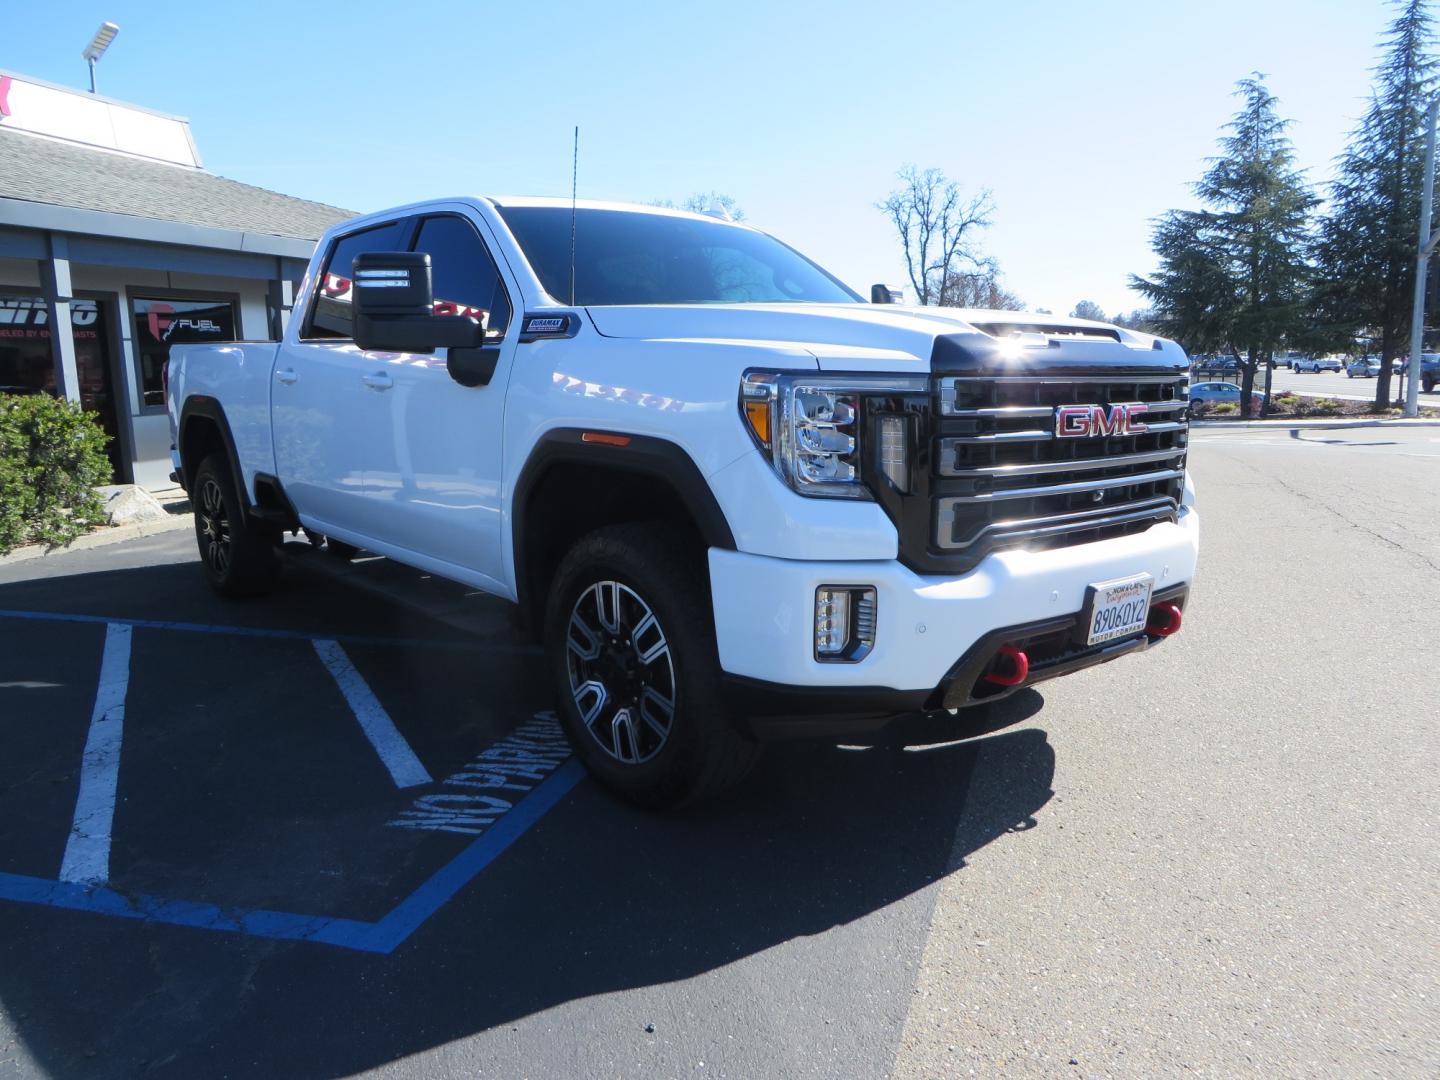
<point x="1092" y="421"/>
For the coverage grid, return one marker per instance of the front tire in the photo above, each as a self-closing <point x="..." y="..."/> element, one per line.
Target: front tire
<point x="239" y="555"/>
<point x="632" y="656"/>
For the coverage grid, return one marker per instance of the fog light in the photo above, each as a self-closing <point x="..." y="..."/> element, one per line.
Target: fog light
<point x="844" y="622"/>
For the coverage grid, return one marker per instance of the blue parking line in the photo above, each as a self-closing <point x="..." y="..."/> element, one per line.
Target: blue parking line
<point x="454" y="875"/>
<point x="377" y="937"/>
<point x="101" y="900"/>
<point x="259" y="632"/>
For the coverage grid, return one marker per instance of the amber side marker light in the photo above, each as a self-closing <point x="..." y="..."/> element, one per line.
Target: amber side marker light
<point x="605" y="438"/>
<point x="758" y="414"/>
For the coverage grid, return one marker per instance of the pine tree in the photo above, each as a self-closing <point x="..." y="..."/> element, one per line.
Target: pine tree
<point x="1233" y="275"/>
<point x="1367" y="247"/>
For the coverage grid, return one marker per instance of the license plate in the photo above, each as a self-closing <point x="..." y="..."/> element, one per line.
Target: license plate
<point x="1117" y="609"/>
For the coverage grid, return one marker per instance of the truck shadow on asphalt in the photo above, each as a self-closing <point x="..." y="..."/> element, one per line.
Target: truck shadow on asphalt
<point x="823" y="861"/>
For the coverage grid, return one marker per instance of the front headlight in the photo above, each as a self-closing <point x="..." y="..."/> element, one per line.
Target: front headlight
<point x="810" y="427"/>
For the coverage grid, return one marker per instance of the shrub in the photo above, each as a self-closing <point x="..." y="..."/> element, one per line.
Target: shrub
<point x="1325" y="406"/>
<point x="1224" y="408"/>
<point x="52" y="454"/>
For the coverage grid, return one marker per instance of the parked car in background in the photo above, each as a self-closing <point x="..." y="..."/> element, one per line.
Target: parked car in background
<point x="1317" y="364"/>
<point x="1429" y="370"/>
<point x="1213" y="393"/>
<point x="1363" y="368"/>
<point x="1211" y="366"/>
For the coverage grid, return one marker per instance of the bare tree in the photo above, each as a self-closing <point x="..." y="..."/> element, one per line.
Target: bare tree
<point x="937" y="227"/>
<point x="703" y="202"/>
<point x="980" y="289"/>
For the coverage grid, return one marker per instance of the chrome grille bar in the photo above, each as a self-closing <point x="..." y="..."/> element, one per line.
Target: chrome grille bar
<point x="1035" y="528"/>
<point x="1079" y="486"/>
<point x="950" y="384"/>
<point x="1001" y="472"/>
<point x="1033" y="435"/>
<point x="1037" y="435"/>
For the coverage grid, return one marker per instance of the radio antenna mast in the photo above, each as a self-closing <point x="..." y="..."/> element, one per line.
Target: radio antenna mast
<point x="574" y="182"/>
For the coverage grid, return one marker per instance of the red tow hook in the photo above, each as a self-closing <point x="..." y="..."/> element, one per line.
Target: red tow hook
<point x="1165" y="620"/>
<point x="1012" y="667"/>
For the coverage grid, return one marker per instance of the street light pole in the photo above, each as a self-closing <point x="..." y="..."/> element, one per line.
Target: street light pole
<point x="1425" y="249"/>
<point x="96" y="49"/>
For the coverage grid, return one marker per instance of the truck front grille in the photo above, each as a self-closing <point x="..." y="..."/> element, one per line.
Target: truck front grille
<point x="1001" y="476"/>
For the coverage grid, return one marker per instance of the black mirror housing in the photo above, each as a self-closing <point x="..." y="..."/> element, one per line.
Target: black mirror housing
<point x="395" y="306"/>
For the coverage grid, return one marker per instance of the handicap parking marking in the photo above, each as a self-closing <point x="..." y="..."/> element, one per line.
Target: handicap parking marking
<point x="87" y="852"/>
<point x="518" y="778"/>
<point x="473" y="799"/>
<point x="395" y="753"/>
<point x="382" y="936"/>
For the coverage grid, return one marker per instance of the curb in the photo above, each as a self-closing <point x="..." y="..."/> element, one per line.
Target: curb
<point x="112" y="534"/>
<point x="1230" y="425"/>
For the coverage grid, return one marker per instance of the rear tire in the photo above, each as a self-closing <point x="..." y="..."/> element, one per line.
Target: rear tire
<point x="238" y="554"/>
<point x="631" y="650"/>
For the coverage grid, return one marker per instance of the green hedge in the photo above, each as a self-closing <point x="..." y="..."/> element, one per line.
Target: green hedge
<point x="52" y="455"/>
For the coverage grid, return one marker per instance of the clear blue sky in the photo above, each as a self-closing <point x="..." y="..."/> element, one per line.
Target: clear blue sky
<point x="1084" y="120"/>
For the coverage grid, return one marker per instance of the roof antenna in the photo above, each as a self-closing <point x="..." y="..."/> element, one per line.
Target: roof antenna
<point x="574" y="180"/>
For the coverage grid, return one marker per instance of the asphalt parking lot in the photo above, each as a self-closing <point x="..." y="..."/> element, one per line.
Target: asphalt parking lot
<point x="333" y="833"/>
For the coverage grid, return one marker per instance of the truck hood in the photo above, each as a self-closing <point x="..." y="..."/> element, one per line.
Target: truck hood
<point x="845" y="337"/>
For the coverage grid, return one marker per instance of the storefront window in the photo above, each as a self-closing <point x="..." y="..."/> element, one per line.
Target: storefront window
<point x="27" y="365"/>
<point x="160" y="323"/>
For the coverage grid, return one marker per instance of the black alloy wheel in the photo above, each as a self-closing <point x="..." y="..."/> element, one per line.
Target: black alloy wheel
<point x="622" y="680"/>
<point x="630" y="644"/>
<point x="239" y="554"/>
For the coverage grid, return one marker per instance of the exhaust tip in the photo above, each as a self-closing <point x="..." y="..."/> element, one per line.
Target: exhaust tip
<point x="1011" y="667"/>
<point x="1165" y="619"/>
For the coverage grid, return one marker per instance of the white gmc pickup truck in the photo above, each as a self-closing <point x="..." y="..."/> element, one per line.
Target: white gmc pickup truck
<point x="731" y="497"/>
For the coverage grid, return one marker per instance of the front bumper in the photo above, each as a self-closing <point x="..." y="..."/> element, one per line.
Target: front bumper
<point x="764" y="609"/>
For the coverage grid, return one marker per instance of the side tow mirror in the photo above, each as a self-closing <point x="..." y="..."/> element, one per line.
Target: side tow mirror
<point x="395" y="307"/>
<point x="887" y="294"/>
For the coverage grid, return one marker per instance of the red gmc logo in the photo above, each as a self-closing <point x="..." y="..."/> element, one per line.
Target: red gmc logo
<point x="1092" y="421"/>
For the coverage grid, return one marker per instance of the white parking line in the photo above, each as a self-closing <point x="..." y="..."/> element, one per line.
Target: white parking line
<point x="394" y="751"/>
<point x="87" y="853"/>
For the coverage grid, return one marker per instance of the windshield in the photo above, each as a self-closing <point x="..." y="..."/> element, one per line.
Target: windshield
<point x="630" y="257"/>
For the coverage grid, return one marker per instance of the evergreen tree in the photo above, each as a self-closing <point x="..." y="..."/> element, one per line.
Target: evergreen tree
<point x="1367" y="247"/>
<point x="1233" y="275"/>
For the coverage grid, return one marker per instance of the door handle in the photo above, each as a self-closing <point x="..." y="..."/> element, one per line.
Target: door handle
<point x="286" y="375"/>
<point x="377" y="381"/>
